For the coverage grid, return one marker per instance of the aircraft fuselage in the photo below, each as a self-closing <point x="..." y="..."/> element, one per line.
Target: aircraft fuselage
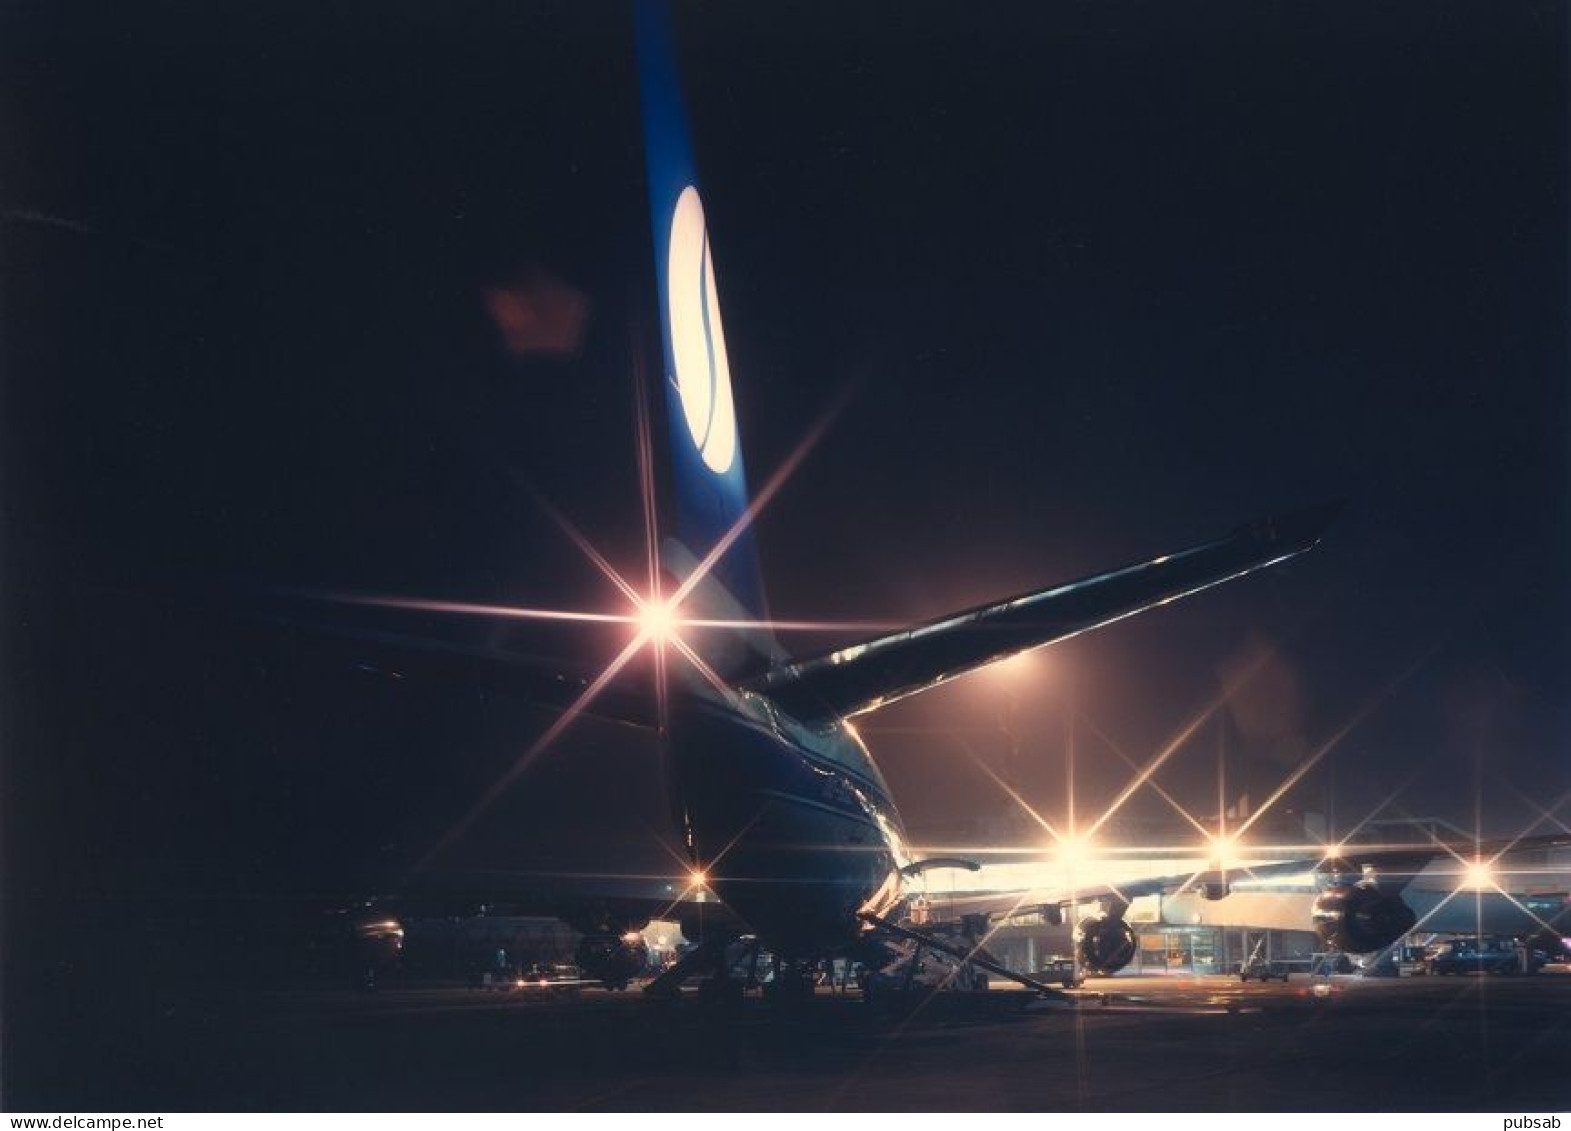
<point x="792" y="826"/>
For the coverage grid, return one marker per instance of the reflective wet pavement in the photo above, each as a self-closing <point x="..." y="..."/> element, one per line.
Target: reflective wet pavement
<point x="1206" y="1043"/>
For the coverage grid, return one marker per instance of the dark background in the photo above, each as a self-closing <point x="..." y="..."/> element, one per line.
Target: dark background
<point x="1104" y="279"/>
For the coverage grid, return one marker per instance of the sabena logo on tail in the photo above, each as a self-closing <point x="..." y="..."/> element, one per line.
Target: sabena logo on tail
<point x="706" y="502"/>
<point x="703" y="375"/>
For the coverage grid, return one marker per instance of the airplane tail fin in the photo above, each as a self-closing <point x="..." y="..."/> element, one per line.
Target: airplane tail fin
<point x="707" y="475"/>
<point x="712" y="555"/>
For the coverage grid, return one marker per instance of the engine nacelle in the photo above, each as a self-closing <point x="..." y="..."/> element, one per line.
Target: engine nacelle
<point x="612" y="959"/>
<point x="1214" y="886"/>
<point x="1104" y="945"/>
<point x="1357" y="919"/>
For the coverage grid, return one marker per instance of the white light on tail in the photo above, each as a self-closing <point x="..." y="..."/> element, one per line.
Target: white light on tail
<point x="703" y="373"/>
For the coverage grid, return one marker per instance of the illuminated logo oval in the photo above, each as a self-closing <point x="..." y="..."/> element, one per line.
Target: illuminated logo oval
<point x="703" y="375"/>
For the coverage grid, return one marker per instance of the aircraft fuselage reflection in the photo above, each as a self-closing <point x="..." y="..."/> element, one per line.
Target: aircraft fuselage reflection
<point x="792" y="825"/>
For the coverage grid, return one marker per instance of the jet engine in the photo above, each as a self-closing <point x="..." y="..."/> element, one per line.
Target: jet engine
<point x="1214" y="885"/>
<point x="613" y="959"/>
<point x="1104" y="944"/>
<point x="1359" y="918"/>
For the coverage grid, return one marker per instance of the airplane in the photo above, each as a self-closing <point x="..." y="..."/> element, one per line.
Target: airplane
<point x="1399" y="889"/>
<point x="780" y="806"/>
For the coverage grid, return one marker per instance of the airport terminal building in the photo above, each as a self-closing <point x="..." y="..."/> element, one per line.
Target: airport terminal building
<point x="1028" y="943"/>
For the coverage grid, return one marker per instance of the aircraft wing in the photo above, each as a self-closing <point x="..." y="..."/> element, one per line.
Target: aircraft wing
<point x="1389" y="865"/>
<point x="579" y="898"/>
<point x="863" y="676"/>
<point x="1003" y="904"/>
<point x="1399" y="863"/>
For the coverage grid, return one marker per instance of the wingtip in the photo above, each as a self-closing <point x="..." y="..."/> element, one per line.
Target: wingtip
<point x="1297" y="530"/>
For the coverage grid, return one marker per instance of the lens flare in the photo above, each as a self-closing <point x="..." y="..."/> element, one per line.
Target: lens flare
<point x="657" y="620"/>
<point x="1224" y="851"/>
<point x="1076" y="853"/>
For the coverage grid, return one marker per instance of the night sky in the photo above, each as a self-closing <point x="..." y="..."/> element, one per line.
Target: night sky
<point x="1092" y="282"/>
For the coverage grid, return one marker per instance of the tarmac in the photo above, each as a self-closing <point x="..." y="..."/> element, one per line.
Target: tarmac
<point x="1127" y="1044"/>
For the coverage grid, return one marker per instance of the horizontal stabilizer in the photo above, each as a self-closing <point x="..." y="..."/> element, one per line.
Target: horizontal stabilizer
<point x="858" y="678"/>
<point x="625" y="695"/>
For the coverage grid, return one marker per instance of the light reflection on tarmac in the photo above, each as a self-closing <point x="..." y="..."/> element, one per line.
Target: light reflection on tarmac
<point x="1175" y="1043"/>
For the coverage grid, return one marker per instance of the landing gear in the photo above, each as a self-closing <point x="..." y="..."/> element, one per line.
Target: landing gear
<point x="792" y="984"/>
<point x="717" y="961"/>
<point x="727" y="969"/>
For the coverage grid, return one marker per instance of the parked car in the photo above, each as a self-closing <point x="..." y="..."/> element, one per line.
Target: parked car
<point x="557" y="977"/>
<point x="1486" y="955"/>
<point x="1063" y="971"/>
